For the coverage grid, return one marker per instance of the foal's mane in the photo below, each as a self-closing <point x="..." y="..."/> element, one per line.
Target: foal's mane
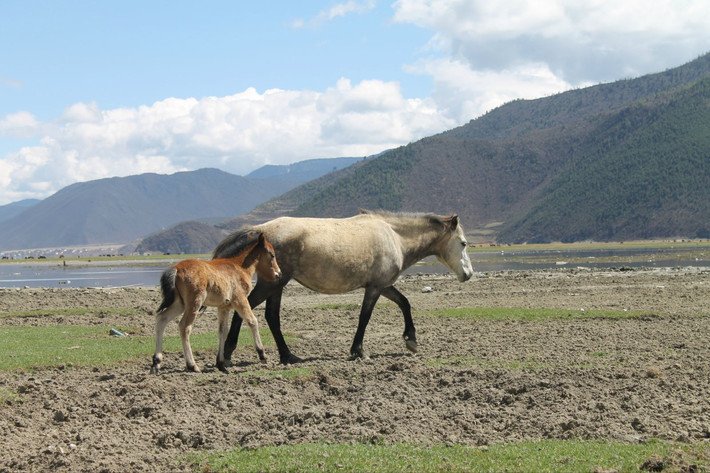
<point x="236" y="243"/>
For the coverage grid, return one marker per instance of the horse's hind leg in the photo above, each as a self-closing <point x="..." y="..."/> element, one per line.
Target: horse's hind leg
<point x="188" y="318"/>
<point x="161" y="321"/>
<point x="410" y="338"/>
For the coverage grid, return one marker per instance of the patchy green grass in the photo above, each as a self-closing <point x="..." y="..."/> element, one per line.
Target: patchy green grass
<point x="541" y="456"/>
<point x="35" y="347"/>
<point x="343" y="306"/>
<point x="531" y="315"/>
<point x="7" y="395"/>
<point x="99" y="311"/>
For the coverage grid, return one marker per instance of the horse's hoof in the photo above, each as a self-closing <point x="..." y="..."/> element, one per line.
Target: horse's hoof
<point x="153" y="370"/>
<point x="362" y="356"/>
<point x="411" y="345"/>
<point x="291" y="359"/>
<point x="228" y="362"/>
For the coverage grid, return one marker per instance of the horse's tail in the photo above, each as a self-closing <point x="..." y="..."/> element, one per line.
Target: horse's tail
<point x="167" y="286"/>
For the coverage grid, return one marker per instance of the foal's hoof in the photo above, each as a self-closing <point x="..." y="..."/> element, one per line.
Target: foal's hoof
<point x="194" y="369"/>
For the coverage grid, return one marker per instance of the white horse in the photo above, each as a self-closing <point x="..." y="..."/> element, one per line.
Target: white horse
<point x="334" y="256"/>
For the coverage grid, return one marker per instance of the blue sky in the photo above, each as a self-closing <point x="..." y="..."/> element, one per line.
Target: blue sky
<point x="100" y="89"/>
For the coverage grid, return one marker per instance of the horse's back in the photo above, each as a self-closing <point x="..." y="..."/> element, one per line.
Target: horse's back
<point x="332" y="255"/>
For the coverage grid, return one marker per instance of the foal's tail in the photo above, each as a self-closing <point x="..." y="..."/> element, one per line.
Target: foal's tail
<point x="167" y="286"/>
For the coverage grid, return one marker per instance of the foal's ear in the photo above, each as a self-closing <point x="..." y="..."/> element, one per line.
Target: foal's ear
<point x="261" y="239"/>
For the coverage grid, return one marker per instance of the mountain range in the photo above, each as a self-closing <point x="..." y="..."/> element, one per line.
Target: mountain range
<point x="121" y="209"/>
<point x="624" y="160"/>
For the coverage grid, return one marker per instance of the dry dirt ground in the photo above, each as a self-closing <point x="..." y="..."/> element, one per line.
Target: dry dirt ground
<point x="473" y="382"/>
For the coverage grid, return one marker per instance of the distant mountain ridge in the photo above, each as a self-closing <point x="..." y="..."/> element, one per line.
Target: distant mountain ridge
<point x="15" y="208"/>
<point x="120" y="209"/>
<point x="302" y="171"/>
<point x="498" y="168"/>
<point x="618" y="161"/>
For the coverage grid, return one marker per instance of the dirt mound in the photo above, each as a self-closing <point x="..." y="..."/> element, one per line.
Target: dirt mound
<point x="473" y="382"/>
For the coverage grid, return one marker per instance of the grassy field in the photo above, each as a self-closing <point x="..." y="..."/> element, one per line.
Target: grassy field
<point x="545" y="456"/>
<point x="94" y="346"/>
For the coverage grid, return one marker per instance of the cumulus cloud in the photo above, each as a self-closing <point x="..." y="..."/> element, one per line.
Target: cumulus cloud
<point x="236" y="133"/>
<point x="538" y="46"/>
<point x="480" y="54"/>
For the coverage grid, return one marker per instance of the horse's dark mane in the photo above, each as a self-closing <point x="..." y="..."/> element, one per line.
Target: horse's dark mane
<point x="236" y="243"/>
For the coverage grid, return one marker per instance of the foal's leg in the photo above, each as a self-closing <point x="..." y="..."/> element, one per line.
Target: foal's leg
<point x="241" y="304"/>
<point x="188" y="318"/>
<point x="368" y="304"/>
<point x="161" y="321"/>
<point x="410" y="338"/>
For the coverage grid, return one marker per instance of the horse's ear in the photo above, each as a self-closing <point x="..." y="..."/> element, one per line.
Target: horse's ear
<point x="362" y="211"/>
<point x="451" y="222"/>
<point x="261" y="239"/>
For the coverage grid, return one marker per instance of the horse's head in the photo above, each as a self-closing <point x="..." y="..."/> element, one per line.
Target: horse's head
<point x="267" y="267"/>
<point x="452" y="252"/>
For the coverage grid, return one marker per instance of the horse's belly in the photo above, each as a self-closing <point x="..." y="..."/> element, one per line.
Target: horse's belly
<point x="328" y="285"/>
<point x="338" y="278"/>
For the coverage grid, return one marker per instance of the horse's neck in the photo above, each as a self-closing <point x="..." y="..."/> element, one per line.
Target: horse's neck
<point x="419" y="239"/>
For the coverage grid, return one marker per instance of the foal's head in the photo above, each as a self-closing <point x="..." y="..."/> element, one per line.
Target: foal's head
<point x="266" y="265"/>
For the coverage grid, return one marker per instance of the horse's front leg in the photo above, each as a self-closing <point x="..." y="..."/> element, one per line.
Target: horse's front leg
<point x="256" y="297"/>
<point x="273" y="318"/>
<point x="241" y="304"/>
<point x="409" y="335"/>
<point x="222" y="321"/>
<point x="368" y="304"/>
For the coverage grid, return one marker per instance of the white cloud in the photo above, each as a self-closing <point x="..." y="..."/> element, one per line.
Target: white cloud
<point x="480" y="55"/>
<point x="580" y="42"/>
<point x="337" y="11"/>
<point x="19" y="125"/>
<point x="236" y="133"/>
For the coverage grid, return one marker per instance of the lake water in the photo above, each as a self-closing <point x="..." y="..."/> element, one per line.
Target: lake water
<point x="108" y="274"/>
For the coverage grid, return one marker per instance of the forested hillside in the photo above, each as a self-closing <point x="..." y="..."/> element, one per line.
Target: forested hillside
<point x="642" y="172"/>
<point x="614" y="161"/>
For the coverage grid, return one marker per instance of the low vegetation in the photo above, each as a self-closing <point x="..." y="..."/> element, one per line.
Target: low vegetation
<point x="540" y="457"/>
<point x="73" y="345"/>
